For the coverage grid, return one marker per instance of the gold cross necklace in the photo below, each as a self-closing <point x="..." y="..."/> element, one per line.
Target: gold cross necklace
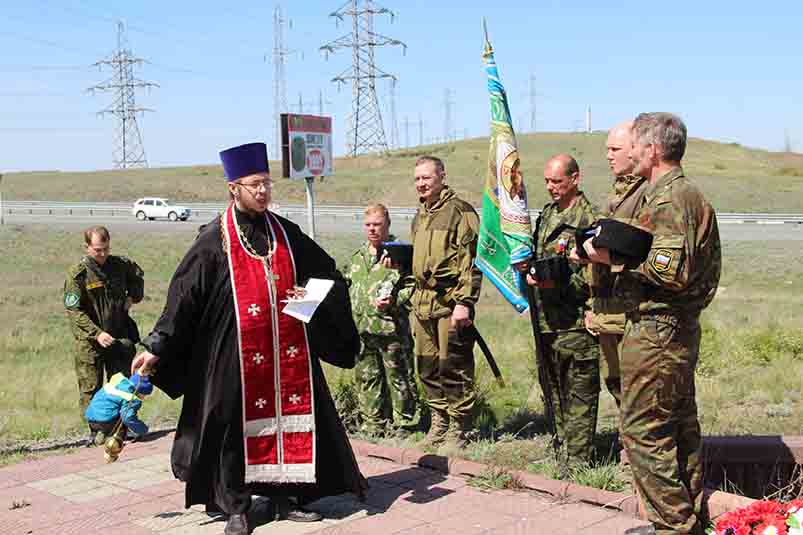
<point x="266" y="258"/>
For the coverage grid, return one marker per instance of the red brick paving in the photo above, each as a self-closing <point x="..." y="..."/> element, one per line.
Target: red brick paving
<point x="403" y="500"/>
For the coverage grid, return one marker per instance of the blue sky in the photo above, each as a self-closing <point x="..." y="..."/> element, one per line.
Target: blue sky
<point x="730" y="69"/>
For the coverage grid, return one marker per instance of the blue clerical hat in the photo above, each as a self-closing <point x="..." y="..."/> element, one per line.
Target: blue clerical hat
<point x="245" y="160"/>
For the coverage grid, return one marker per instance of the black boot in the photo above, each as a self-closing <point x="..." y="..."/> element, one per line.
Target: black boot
<point x="237" y="525"/>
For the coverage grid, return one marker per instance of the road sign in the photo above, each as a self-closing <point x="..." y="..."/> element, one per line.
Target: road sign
<point x="306" y="145"/>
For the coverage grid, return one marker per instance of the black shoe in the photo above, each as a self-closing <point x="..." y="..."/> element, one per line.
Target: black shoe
<point x="299" y="514"/>
<point x="213" y="510"/>
<point x="92" y="437"/>
<point x="100" y="438"/>
<point x="285" y="510"/>
<point x="641" y="530"/>
<point x="237" y="525"/>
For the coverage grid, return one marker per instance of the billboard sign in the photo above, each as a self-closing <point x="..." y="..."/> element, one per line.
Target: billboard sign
<point x="306" y="145"/>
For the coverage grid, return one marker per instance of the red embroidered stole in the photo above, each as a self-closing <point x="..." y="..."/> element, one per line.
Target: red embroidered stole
<point x="275" y="368"/>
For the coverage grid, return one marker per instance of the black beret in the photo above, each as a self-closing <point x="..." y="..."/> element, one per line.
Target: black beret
<point x="400" y="253"/>
<point x="632" y="243"/>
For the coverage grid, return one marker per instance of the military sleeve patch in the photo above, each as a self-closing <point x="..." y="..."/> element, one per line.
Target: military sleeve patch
<point x="662" y="259"/>
<point x="71" y="300"/>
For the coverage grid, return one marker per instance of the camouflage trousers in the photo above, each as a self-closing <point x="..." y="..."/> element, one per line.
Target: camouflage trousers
<point x="90" y="363"/>
<point x="609" y="365"/>
<point x="573" y="360"/>
<point x="660" y="430"/>
<point x="445" y="360"/>
<point x="386" y="386"/>
<point x="609" y="321"/>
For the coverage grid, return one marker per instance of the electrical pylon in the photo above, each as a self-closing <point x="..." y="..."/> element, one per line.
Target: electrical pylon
<point x="280" y="104"/>
<point x="365" y="131"/>
<point x="394" y="123"/>
<point x="129" y="150"/>
<point x="533" y="96"/>
<point x="448" y="127"/>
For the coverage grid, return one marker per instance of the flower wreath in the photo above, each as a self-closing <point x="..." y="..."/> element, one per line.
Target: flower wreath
<point x="763" y="517"/>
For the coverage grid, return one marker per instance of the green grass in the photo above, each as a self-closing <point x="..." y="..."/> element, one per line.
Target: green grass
<point x="750" y="375"/>
<point x="496" y="478"/>
<point x="734" y="178"/>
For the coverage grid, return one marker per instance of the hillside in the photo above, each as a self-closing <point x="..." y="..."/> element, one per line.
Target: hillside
<point x="734" y="178"/>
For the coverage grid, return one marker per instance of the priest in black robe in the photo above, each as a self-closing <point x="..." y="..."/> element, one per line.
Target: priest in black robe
<point x="197" y="350"/>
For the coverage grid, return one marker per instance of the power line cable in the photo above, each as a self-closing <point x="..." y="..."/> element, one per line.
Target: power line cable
<point x="43" y="68"/>
<point x="44" y="42"/>
<point x="149" y="32"/>
<point x="33" y="94"/>
<point x="45" y="129"/>
<point x="161" y="66"/>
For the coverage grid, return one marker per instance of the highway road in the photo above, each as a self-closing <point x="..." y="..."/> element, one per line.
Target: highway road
<point x="331" y="223"/>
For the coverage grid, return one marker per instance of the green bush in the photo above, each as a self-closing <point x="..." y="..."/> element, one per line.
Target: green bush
<point x="790" y="171"/>
<point x="496" y="478"/>
<point x="344" y="393"/>
<point x="757" y="346"/>
<point x="602" y="476"/>
<point x="770" y="344"/>
<point x="713" y="354"/>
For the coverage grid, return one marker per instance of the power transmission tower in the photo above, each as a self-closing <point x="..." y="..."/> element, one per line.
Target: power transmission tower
<point x="365" y="131"/>
<point x="321" y="102"/>
<point x="394" y="123"/>
<point x="128" y="148"/>
<point x="301" y="104"/>
<point x="279" y="78"/>
<point x="533" y="96"/>
<point x="420" y="130"/>
<point x="407" y="124"/>
<point x="448" y="129"/>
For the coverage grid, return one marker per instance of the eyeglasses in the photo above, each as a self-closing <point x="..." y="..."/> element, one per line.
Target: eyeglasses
<point x="266" y="184"/>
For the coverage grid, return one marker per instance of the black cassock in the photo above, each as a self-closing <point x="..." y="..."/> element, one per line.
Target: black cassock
<point x="196" y="340"/>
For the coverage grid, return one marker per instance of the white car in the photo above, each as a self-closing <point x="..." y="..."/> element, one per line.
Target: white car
<point x="149" y="208"/>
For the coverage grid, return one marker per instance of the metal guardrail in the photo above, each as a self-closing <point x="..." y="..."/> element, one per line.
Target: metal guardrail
<point x="111" y="209"/>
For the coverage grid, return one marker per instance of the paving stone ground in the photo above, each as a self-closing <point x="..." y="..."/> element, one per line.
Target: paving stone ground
<point x="76" y="493"/>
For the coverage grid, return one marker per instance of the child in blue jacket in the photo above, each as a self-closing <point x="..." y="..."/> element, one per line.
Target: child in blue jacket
<point x="117" y="399"/>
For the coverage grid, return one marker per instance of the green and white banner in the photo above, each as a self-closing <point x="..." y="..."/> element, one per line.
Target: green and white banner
<point x="505" y="229"/>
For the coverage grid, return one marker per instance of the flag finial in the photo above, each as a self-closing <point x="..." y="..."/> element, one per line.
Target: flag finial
<point x="488" y="47"/>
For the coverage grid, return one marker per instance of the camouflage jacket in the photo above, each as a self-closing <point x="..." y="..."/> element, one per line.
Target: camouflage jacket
<point x="368" y="280"/>
<point x="444" y="240"/>
<point x="623" y="202"/>
<point x="681" y="273"/>
<point x="95" y="297"/>
<point x="563" y="307"/>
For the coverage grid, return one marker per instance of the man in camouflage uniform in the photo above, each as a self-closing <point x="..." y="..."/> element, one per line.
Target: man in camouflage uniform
<point x="569" y="350"/>
<point x="384" y="371"/>
<point x="661" y="342"/>
<point x="606" y="317"/>
<point x="97" y="295"/>
<point x="447" y="286"/>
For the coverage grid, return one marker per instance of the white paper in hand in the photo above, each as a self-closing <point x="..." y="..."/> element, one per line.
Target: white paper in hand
<point x="304" y="308"/>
